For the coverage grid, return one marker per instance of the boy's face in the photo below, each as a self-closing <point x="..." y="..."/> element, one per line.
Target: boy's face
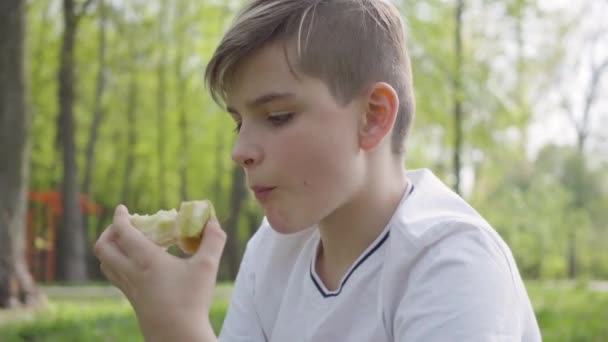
<point x="298" y="146"/>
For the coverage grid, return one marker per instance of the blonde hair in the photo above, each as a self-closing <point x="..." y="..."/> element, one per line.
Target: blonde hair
<point x="348" y="44"/>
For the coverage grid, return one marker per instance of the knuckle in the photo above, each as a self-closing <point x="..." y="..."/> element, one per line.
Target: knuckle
<point x="143" y="264"/>
<point x="116" y="232"/>
<point x="99" y="248"/>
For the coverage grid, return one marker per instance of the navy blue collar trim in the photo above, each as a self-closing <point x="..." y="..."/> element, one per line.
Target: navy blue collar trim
<point x="367" y="255"/>
<point x="334" y="294"/>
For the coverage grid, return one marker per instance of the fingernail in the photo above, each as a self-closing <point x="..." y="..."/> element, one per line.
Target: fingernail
<point x="122" y="208"/>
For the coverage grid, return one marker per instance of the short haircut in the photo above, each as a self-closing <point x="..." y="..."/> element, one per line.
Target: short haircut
<point x="348" y="44"/>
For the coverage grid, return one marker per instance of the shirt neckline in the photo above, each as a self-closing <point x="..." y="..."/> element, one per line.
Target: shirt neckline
<point x="369" y="251"/>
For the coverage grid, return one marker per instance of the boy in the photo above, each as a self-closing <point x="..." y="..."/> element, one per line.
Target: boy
<point x="352" y="247"/>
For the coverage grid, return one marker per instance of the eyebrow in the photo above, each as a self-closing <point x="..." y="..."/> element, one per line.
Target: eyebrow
<point x="263" y="99"/>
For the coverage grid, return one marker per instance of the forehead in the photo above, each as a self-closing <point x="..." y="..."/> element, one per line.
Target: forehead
<point x="267" y="70"/>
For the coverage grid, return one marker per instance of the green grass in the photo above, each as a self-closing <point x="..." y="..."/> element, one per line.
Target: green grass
<point x="75" y="318"/>
<point x="564" y="314"/>
<point x="570" y="313"/>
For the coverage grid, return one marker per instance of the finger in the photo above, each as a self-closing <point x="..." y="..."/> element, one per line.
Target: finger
<point x="111" y="276"/>
<point x="130" y="240"/>
<point x="109" y="254"/>
<point x="114" y="278"/>
<point x="212" y="245"/>
<point x="107" y="236"/>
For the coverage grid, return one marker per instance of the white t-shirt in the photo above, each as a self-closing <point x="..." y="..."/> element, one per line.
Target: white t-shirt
<point x="438" y="272"/>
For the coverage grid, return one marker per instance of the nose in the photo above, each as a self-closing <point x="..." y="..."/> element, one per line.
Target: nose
<point x="246" y="152"/>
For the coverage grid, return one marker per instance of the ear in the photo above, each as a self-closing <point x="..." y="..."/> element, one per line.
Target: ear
<point x="380" y="111"/>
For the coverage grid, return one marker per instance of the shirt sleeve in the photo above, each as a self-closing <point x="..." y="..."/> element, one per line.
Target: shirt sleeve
<point x="242" y="323"/>
<point x="461" y="289"/>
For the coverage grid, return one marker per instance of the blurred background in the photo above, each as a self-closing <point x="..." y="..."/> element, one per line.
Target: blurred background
<point x="102" y="102"/>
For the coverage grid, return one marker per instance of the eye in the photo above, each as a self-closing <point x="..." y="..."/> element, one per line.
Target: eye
<point x="280" y="119"/>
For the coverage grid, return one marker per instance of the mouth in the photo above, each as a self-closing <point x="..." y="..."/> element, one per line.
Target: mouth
<point x="262" y="192"/>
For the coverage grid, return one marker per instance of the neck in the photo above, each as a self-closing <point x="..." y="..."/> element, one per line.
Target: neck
<point x="347" y="232"/>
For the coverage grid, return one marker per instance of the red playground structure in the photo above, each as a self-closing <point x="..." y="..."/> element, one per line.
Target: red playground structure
<point x="43" y="215"/>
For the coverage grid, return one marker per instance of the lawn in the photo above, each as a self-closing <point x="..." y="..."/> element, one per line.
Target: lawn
<point x="570" y="313"/>
<point x="565" y="313"/>
<point x="95" y="314"/>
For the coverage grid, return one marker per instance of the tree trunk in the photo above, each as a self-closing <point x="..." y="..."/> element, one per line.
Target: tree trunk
<point x="98" y="112"/>
<point x="458" y="91"/>
<point x="161" y="106"/>
<point x="17" y="286"/>
<point x="255" y="220"/>
<point x="520" y="91"/>
<point x="219" y="168"/>
<point x="131" y="126"/>
<point x="237" y="197"/>
<point x="182" y="80"/>
<point x="71" y="252"/>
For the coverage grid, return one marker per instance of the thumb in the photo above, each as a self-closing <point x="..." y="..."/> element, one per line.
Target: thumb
<point x="121" y="213"/>
<point x="212" y="244"/>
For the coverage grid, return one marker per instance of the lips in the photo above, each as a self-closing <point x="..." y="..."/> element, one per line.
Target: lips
<point x="262" y="192"/>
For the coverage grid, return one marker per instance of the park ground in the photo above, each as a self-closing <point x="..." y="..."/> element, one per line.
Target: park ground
<point x="566" y="311"/>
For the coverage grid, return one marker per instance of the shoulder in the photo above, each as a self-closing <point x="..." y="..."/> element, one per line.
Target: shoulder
<point x="435" y="223"/>
<point x="448" y="266"/>
<point x="434" y="215"/>
<point x="462" y="280"/>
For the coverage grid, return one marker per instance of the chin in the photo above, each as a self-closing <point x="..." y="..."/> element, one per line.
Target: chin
<point x="283" y="226"/>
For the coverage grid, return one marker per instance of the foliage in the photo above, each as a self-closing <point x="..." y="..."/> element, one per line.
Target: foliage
<point x="535" y="201"/>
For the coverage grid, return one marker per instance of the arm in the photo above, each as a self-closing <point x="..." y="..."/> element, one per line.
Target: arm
<point x="171" y="296"/>
<point x="461" y="289"/>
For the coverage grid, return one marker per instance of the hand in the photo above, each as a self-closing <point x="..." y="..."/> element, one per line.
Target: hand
<point x="171" y="296"/>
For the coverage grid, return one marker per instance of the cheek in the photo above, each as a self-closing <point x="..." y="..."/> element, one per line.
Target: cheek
<point x="320" y="167"/>
<point x="312" y="162"/>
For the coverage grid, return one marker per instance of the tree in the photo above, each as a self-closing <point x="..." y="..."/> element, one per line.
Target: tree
<point x="161" y="99"/>
<point x="237" y="199"/>
<point x="98" y="112"/>
<point x="98" y="115"/>
<point x="182" y="81"/>
<point x="582" y="118"/>
<point x="132" y="99"/>
<point x="457" y="80"/>
<point x="16" y="283"/>
<point x="71" y="240"/>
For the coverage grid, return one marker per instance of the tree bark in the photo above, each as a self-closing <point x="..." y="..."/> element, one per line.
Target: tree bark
<point x="161" y="106"/>
<point x="457" y="153"/>
<point x="98" y="115"/>
<point x="98" y="112"/>
<point x="17" y="286"/>
<point x="255" y="220"/>
<point x="237" y="197"/>
<point x="71" y="241"/>
<point x="131" y="126"/>
<point x="219" y="168"/>
<point x="182" y="81"/>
